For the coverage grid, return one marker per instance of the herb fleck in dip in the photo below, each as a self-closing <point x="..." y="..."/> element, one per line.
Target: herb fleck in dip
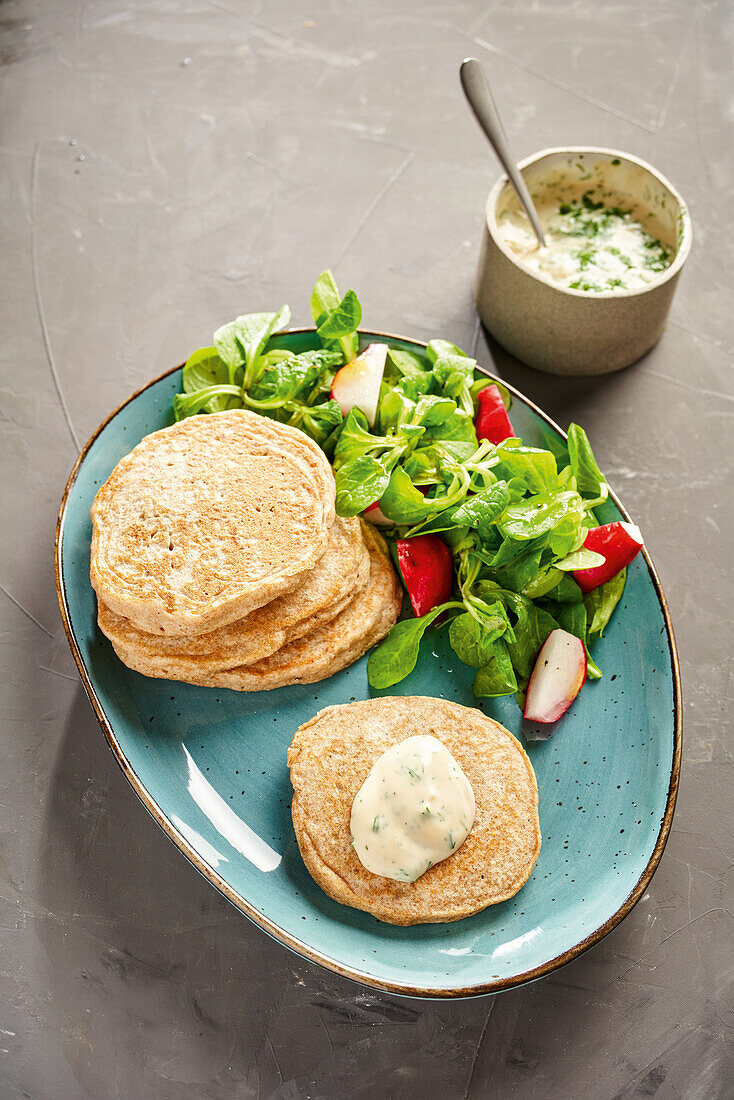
<point x="594" y="241"/>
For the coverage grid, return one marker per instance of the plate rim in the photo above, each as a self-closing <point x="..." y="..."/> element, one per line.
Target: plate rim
<point x="274" y="930"/>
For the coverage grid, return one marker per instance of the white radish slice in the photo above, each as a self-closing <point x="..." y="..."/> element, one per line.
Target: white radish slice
<point x="559" y="673"/>
<point x="633" y="531"/>
<point x="357" y="385"/>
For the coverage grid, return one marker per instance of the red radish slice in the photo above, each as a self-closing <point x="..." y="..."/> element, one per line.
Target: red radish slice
<point x="428" y="571"/>
<point x="492" y="421"/>
<point x="619" y="543"/>
<point x="559" y="672"/>
<point x="376" y="515"/>
<point x="357" y="385"/>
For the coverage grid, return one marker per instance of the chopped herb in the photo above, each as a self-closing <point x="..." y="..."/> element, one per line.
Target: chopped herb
<point x="589" y="202"/>
<point x="584" y="257"/>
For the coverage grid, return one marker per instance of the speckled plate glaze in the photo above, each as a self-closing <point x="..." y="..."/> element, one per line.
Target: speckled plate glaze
<point x="210" y="766"/>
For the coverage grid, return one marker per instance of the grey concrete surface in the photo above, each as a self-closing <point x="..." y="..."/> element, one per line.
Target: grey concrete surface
<point x="166" y="165"/>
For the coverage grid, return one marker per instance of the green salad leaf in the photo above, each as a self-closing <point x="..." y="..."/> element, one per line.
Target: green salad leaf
<point x="360" y="483"/>
<point x="498" y="676"/>
<point x="336" y="319"/>
<point x="285" y="377"/>
<point x="408" y="364"/>
<point x="207" y="399"/>
<point x="601" y="602"/>
<point x="473" y="640"/>
<point x="240" y="342"/>
<point x="482" y="511"/>
<point x="204" y="368"/>
<point x="396" y="657"/>
<point x="589" y="477"/>
<point x="206" y="385"/>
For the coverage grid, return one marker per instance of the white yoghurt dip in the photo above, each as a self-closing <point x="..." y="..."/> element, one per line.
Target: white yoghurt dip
<point x="596" y="239"/>
<point x="414" y="809"/>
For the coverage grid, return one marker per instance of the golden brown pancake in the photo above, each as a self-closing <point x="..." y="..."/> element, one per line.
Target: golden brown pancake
<point x="334" y="581"/>
<point x="329" y="760"/>
<point x="209" y="519"/>
<point x="331" y="648"/>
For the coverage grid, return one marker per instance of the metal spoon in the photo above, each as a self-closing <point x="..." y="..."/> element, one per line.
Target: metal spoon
<point x="477" y="91"/>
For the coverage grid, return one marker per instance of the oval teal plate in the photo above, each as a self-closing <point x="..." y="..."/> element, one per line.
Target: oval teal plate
<point x="210" y="766"/>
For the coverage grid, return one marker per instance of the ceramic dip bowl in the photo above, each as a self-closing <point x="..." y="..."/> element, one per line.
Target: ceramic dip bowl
<point x="574" y="331"/>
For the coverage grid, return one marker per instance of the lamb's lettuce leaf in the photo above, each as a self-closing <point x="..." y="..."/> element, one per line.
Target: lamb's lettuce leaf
<point x="482" y="510"/>
<point x="240" y="343"/>
<point x="474" y="641"/>
<point x="204" y="370"/>
<point x="498" y="676"/>
<point x="589" y="478"/>
<point x="337" y="319"/>
<point x="188" y="404"/>
<point x="360" y="483"/>
<point x="601" y="602"/>
<point x="396" y="657"/>
<point x="293" y="378"/>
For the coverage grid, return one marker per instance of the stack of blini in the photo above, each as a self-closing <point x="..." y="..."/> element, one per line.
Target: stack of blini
<point x="217" y="558"/>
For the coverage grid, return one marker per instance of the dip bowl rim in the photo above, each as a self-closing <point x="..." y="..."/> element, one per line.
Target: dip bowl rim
<point x="685" y="232"/>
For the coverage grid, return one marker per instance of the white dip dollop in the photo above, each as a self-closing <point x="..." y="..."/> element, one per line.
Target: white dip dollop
<point x="414" y="809"/>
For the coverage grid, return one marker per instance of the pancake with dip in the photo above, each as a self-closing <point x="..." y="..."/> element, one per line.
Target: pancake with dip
<point x="416" y="810"/>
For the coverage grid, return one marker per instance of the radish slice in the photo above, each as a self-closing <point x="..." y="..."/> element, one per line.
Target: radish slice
<point x="559" y="672"/>
<point x="492" y="421"/>
<point x="619" y="543"/>
<point x="357" y="385"/>
<point x="428" y="571"/>
<point x="376" y="515"/>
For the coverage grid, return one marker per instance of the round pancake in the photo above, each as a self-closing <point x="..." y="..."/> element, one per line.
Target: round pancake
<point x="331" y="648"/>
<point x="327" y="589"/>
<point x="206" y="520"/>
<point x="329" y="760"/>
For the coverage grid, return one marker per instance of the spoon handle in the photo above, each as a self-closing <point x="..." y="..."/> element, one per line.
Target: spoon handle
<point x="478" y="93"/>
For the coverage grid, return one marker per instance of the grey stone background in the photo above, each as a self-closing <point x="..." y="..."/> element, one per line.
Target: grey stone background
<point x="168" y="164"/>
